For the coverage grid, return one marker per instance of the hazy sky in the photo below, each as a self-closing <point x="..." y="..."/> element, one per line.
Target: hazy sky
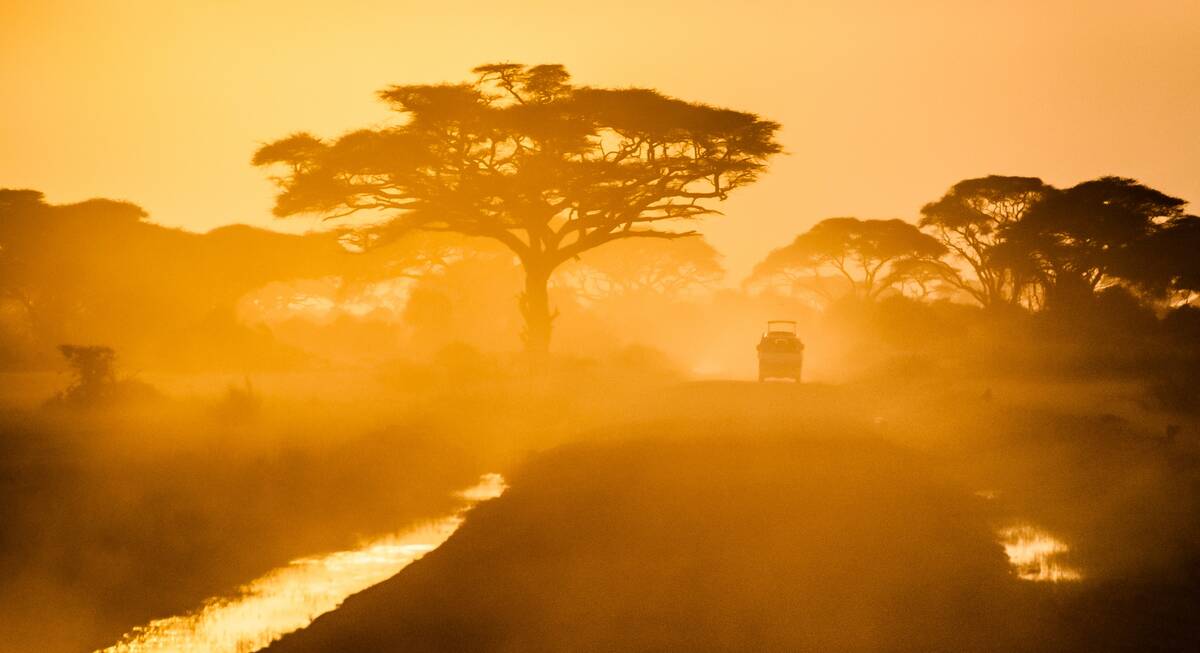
<point x="884" y="104"/>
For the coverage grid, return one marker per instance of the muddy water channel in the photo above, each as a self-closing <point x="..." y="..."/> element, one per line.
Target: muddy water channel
<point x="291" y="597"/>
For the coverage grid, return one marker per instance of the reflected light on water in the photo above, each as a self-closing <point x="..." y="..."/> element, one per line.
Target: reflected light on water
<point x="1034" y="554"/>
<point x="290" y="597"/>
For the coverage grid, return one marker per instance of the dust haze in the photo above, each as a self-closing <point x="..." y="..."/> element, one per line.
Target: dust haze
<point x="973" y="427"/>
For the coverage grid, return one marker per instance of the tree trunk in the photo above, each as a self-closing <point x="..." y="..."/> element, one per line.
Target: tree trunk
<point x="535" y="306"/>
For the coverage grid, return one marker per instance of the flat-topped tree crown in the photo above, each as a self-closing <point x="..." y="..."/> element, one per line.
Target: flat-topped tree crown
<point x="871" y="256"/>
<point x="523" y="156"/>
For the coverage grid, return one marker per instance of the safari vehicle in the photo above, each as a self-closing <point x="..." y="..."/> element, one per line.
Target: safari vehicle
<point x="780" y="352"/>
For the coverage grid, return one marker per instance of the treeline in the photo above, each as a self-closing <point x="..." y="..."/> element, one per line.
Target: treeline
<point x="99" y="273"/>
<point x="240" y="298"/>
<point x="1010" y="275"/>
<point x="1005" y="241"/>
<point x="1000" y="275"/>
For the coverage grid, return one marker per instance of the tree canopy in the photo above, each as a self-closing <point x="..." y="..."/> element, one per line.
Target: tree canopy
<point x="1025" y="242"/>
<point x="1099" y="233"/>
<point x="971" y="220"/>
<point x="523" y="156"/>
<point x="866" y="254"/>
<point x="1166" y="264"/>
<point x="100" y="272"/>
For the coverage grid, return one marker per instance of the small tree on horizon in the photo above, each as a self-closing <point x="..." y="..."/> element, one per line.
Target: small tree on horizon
<point x="870" y="256"/>
<point x="94" y="369"/>
<point x="520" y="155"/>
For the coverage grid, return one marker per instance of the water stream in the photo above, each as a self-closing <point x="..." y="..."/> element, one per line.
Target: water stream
<point x="290" y="597"/>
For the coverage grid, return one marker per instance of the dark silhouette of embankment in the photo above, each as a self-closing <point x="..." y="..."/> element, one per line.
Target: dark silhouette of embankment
<point x="656" y="545"/>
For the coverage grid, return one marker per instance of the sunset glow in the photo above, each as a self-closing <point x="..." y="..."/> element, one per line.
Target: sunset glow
<point x="883" y="103"/>
<point x="850" y="326"/>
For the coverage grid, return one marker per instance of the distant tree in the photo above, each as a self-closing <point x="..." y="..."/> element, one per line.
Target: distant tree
<point x="549" y="169"/>
<point x="870" y="255"/>
<point x="18" y="212"/>
<point x="95" y="372"/>
<point x="54" y="259"/>
<point x="467" y="301"/>
<point x="923" y="278"/>
<point x="971" y="220"/>
<point x="1097" y="234"/>
<point x="96" y="383"/>
<point x="99" y="271"/>
<point x="644" y="268"/>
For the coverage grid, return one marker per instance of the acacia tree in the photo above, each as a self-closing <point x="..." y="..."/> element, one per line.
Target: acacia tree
<point x="1101" y="233"/>
<point x="971" y="220"/>
<point x="870" y="255"/>
<point x="549" y="169"/>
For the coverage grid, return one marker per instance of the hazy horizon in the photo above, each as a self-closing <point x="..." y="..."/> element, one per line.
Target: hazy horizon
<point x="883" y="106"/>
<point x="841" y="326"/>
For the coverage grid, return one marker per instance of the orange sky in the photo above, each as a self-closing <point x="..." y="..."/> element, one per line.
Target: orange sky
<point x="884" y="104"/>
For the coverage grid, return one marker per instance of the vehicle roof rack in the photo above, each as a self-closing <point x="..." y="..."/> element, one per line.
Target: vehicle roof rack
<point x="790" y="328"/>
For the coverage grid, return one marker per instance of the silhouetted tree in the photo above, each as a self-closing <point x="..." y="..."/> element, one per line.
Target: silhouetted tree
<point x="521" y="155"/>
<point x="1165" y="265"/>
<point x="971" y="220"/>
<point x="1096" y="234"/>
<point x="95" y="372"/>
<point x="99" y="271"/>
<point x="870" y="255"/>
<point x="58" y="262"/>
<point x="644" y="268"/>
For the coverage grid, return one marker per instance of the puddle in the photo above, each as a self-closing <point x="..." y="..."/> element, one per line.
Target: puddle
<point x="1036" y="555"/>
